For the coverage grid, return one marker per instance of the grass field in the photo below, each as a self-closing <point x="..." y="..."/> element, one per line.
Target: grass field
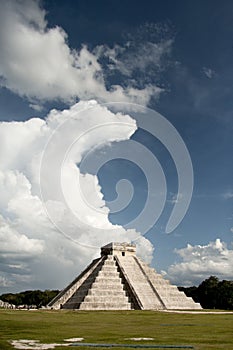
<point x="202" y="331"/>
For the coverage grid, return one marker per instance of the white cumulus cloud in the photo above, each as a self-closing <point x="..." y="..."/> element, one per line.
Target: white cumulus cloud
<point x="201" y="261"/>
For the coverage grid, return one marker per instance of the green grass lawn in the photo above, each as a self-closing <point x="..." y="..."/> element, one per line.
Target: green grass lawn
<point x="202" y="331"/>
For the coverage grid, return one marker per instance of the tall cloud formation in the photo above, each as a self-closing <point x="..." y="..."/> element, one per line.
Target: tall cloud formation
<point x="34" y="253"/>
<point x="36" y="61"/>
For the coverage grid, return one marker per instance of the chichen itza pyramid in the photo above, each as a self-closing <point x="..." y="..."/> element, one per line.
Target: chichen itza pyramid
<point x="119" y="280"/>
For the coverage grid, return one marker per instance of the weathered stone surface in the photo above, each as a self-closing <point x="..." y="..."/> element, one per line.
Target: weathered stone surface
<point x="119" y="280"/>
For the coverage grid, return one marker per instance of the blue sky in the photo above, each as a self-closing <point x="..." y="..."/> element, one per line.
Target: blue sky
<point x="183" y="51"/>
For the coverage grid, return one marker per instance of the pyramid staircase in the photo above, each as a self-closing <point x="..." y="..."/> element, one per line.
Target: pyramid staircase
<point x="119" y="280"/>
<point x="102" y="290"/>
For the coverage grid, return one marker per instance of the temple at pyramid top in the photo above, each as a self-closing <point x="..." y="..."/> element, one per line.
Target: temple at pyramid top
<point x="115" y="248"/>
<point x="119" y="280"/>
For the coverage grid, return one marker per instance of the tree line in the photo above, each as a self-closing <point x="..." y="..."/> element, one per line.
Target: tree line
<point x="212" y="293"/>
<point x="37" y="298"/>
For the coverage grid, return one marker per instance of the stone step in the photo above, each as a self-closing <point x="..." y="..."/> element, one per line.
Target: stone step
<point x="109" y="280"/>
<point x="105" y="286"/>
<point x="154" y="307"/>
<point x="109" y="268"/>
<point x="109" y="274"/>
<point x="121" y="298"/>
<point x="109" y="263"/>
<point x="105" y="306"/>
<point x="173" y="299"/>
<point x="170" y="303"/>
<point x="107" y="292"/>
<point x="158" y="281"/>
<point x="183" y="307"/>
<point x="167" y="290"/>
<point x="106" y="299"/>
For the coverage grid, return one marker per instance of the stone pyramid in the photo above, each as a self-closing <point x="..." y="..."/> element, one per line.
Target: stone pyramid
<point x="119" y="280"/>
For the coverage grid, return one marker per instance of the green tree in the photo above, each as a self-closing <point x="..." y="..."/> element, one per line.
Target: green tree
<point x="30" y="297"/>
<point x="225" y="295"/>
<point x="208" y="293"/>
<point x="212" y="293"/>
